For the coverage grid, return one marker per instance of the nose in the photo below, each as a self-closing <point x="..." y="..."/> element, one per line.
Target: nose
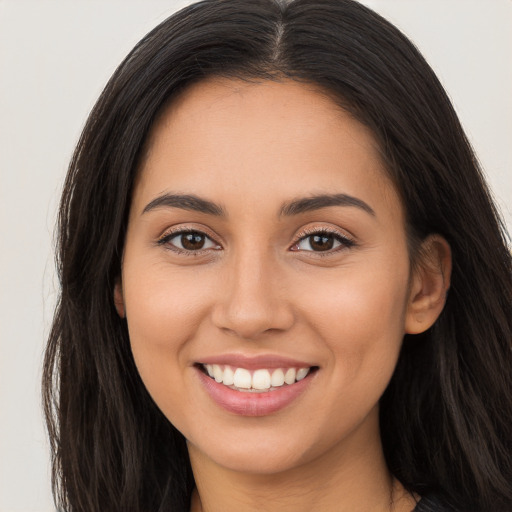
<point x="252" y="298"/>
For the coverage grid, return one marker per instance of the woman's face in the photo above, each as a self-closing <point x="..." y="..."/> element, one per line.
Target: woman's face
<point x="264" y="238"/>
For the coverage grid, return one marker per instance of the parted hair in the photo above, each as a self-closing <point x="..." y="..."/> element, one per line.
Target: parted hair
<point x="446" y="416"/>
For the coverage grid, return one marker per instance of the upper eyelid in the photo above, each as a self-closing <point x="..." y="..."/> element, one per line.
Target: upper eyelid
<point x="304" y="233"/>
<point x="171" y="232"/>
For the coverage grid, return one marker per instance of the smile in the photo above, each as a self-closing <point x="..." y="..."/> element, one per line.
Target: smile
<point x="256" y="381"/>
<point x="263" y="387"/>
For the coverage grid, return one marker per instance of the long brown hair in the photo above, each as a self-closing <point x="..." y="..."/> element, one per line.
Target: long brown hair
<point x="446" y="417"/>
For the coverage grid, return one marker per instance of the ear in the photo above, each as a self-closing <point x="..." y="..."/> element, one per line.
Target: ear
<point x="118" y="298"/>
<point x="429" y="284"/>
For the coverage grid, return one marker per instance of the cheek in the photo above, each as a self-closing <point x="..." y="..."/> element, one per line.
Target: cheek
<point x="359" y="316"/>
<point x="158" y="296"/>
<point x="360" y="320"/>
<point x="163" y="311"/>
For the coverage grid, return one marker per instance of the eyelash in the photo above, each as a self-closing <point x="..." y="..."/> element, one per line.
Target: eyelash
<point x="169" y="235"/>
<point x="345" y="241"/>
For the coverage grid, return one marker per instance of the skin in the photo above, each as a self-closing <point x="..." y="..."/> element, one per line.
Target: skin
<point x="259" y="288"/>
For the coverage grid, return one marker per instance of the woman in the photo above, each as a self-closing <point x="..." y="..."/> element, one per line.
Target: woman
<point x="284" y="284"/>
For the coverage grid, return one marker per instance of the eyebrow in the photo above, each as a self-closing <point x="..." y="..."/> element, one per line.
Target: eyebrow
<point x="316" y="202"/>
<point x="186" y="202"/>
<point x="294" y="207"/>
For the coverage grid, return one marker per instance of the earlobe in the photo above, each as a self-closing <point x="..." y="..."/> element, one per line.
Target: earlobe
<point x="429" y="285"/>
<point x="119" y="299"/>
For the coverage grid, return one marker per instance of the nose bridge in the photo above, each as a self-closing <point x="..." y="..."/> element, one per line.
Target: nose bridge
<point x="252" y="300"/>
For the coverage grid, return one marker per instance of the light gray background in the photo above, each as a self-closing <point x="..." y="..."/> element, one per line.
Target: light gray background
<point x="55" y="57"/>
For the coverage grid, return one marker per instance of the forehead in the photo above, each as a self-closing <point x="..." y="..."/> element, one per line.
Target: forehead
<point x="289" y="107"/>
<point x="263" y="139"/>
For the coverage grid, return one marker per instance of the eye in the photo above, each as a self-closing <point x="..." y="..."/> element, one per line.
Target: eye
<point x="188" y="241"/>
<point x="322" y="241"/>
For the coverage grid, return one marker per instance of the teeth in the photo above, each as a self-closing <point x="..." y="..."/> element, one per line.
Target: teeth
<point x="301" y="373"/>
<point x="277" y="378"/>
<point x="289" y="376"/>
<point x="242" y="378"/>
<point x="260" y="380"/>
<point x="217" y="373"/>
<point x="229" y="376"/>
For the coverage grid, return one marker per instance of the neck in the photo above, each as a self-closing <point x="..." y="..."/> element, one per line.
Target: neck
<point x="344" y="479"/>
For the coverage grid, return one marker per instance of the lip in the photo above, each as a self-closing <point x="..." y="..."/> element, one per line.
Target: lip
<point x="256" y="362"/>
<point x="253" y="404"/>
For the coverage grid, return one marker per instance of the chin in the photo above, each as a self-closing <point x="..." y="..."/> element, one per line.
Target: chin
<point x="254" y="456"/>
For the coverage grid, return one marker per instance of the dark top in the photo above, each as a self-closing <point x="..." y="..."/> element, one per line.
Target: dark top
<point x="430" y="504"/>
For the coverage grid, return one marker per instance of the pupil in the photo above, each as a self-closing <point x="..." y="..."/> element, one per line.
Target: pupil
<point x="322" y="242"/>
<point x="192" y="241"/>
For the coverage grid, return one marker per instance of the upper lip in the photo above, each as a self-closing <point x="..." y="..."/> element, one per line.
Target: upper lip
<point x="254" y="362"/>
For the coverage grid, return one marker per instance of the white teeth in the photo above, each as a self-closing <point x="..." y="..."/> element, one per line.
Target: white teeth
<point x="242" y="378"/>
<point x="289" y="376"/>
<point x="217" y="373"/>
<point x="261" y="379"/>
<point x="301" y="373"/>
<point x="277" y="378"/>
<point x="228" y="379"/>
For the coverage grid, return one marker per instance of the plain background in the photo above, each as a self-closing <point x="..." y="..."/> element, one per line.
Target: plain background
<point x="55" y="57"/>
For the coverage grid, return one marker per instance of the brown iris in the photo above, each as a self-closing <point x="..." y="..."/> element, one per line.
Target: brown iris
<point x="193" y="240"/>
<point x="321" y="242"/>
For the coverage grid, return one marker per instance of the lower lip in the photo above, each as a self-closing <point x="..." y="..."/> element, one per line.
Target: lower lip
<point x="253" y="404"/>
